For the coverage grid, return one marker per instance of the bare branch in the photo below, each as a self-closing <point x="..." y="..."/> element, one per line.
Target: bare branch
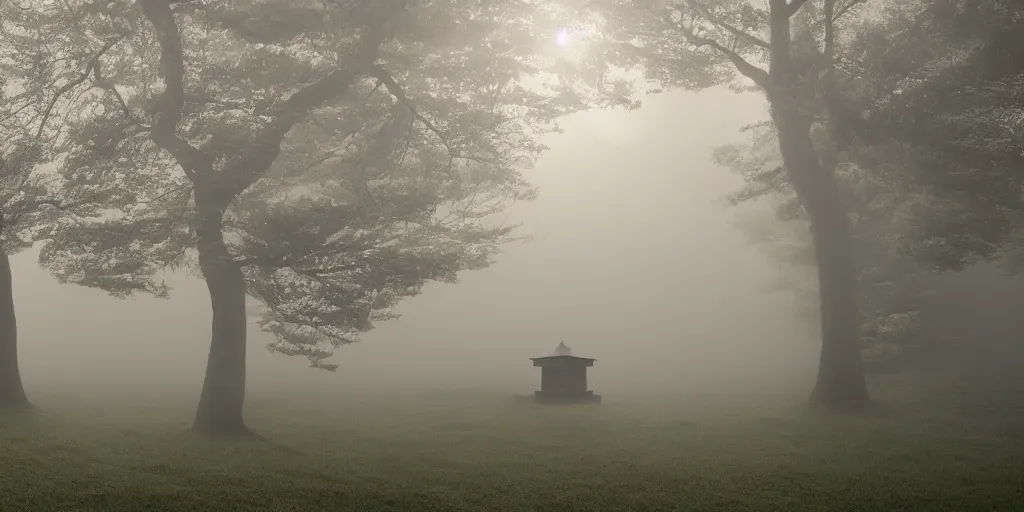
<point x="758" y="75"/>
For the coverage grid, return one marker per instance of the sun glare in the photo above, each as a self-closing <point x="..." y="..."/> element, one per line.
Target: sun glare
<point x="562" y="37"/>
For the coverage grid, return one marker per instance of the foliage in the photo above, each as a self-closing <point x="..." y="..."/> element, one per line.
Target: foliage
<point x="37" y="90"/>
<point x="785" y="49"/>
<point x="931" y="172"/>
<point x="347" y="152"/>
<point x="946" y="86"/>
<point x="884" y="212"/>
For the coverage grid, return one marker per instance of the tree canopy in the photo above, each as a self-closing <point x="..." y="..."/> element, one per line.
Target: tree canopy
<point x="930" y="172"/>
<point x="38" y="90"/>
<point x="330" y="158"/>
<point x="356" y="149"/>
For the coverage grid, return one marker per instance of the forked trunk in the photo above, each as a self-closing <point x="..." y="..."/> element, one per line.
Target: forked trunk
<point x="840" y="382"/>
<point x="12" y="393"/>
<point x="220" y="405"/>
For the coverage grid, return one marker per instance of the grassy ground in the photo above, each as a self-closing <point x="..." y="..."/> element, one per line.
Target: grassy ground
<point x="938" y="444"/>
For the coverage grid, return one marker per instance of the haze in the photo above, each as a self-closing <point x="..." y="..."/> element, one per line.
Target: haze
<point x="804" y="296"/>
<point x="633" y="261"/>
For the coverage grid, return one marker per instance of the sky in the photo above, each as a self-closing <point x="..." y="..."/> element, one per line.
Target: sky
<point x="634" y="260"/>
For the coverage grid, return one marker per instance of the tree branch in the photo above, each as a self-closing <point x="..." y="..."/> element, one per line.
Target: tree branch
<point x="91" y="65"/>
<point x="172" y="100"/>
<point x="845" y="8"/>
<point x="398" y="92"/>
<point x="260" y="154"/>
<point x="204" y="100"/>
<point x="120" y="100"/>
<point x="16" y="111"/>
<point x="103" y="85"/>
<point x="781" y="59"/>
<point x="831" y="96"/>
<point x="758" y="75"/>
<point x="793" y="6"/>
<point x="757" y="41"/>
<point x="162" y="195"/>
<point x="18" y="210"/>
<point x="750" y="38"/>
<point x="311" y="272"/>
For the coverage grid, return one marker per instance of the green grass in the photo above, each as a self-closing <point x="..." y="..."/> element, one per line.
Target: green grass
<point x="939" y="443"/>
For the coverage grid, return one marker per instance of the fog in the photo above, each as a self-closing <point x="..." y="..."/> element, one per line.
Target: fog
<point x="633" y="260"/>
<point x="743" y="361"/>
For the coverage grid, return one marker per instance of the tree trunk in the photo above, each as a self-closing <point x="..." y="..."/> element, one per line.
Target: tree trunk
<point x="12" y="393"/>
<point x="220" y="405"/>
<point x="840" y="382"/>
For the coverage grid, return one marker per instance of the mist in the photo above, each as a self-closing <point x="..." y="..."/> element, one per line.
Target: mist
<point x="254" y="256"/>
<point x="632" y="259"/>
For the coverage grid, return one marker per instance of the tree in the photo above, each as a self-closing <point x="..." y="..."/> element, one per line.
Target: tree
<point x="936" y="181"/>
<point x="326" y="158"/>
<point x="695" y="44"/>
<point x="36" y="90"/>
<point x="886" y="212"/>
<point x="16" y="166"/>
<point x="948" y="91"/>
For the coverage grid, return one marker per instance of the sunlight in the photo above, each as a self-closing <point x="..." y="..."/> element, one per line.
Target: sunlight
<point x="562" y="38"/>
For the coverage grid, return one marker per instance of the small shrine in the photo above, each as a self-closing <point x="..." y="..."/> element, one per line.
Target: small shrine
<point x="563" y="378"/>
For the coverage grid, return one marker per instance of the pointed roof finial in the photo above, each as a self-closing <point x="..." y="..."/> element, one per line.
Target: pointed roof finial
<point x="562" y="349"/>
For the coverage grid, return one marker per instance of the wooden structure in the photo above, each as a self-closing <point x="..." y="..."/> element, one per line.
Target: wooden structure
<point x="563" y="378"/>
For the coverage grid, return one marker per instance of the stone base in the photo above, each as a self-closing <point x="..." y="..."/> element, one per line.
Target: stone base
<point x="561" y="398"/>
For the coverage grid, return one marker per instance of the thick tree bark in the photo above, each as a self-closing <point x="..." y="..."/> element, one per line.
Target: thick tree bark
<point x="12" y="393"/>
<point x="840" y="382"/>
<point x="223" y="396"/>
<point x="220" y="406"/>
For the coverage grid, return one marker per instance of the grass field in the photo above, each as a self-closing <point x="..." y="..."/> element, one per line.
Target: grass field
<point x="937" y="443"/>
